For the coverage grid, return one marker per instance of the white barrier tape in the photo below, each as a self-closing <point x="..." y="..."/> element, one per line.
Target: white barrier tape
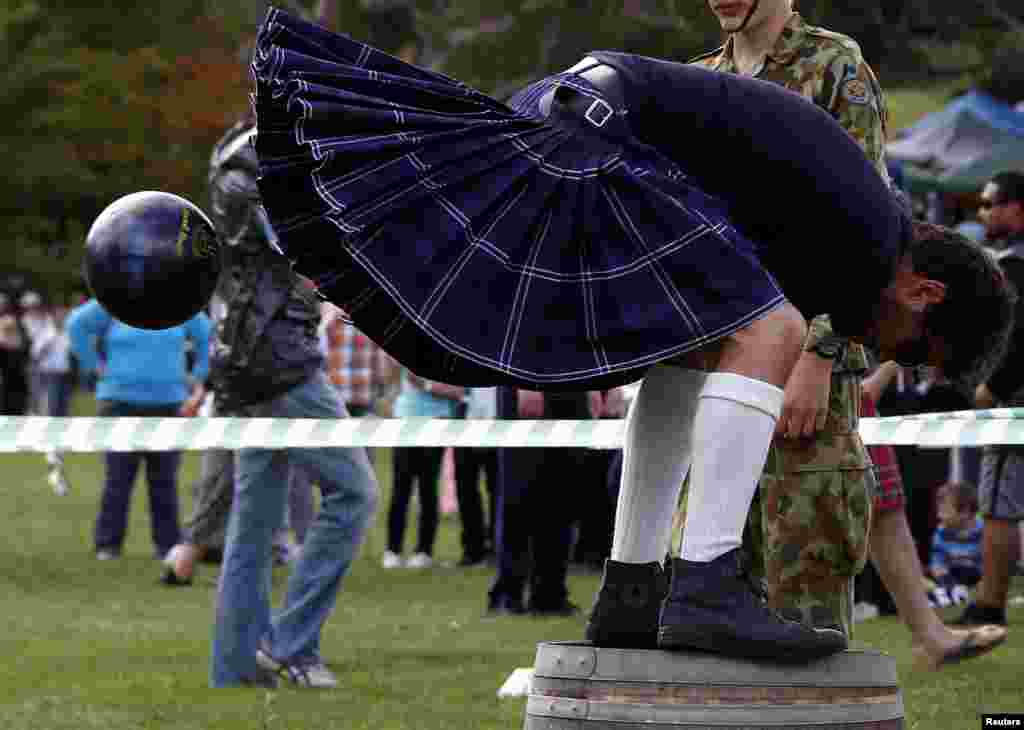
<point x="38" y="434"/>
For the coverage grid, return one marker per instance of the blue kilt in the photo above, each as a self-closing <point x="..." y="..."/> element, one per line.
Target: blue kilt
<point x="484" y="243"/>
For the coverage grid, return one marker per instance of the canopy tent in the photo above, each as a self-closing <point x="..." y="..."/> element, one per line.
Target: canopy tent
<point x="958" y="148"/>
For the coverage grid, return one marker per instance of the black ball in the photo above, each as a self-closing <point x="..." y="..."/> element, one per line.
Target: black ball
<point x="152" y="259"/>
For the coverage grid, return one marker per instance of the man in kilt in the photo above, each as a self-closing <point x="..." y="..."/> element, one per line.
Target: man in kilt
<point x="595" y="229"/>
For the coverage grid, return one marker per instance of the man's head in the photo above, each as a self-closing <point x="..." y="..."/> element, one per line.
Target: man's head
<point x="745" y="16"/>
<point x="1002" y="206"/>
<point x="949" y="305"/>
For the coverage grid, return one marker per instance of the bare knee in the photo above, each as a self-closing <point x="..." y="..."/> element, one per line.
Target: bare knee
<point x="768" y="348"/>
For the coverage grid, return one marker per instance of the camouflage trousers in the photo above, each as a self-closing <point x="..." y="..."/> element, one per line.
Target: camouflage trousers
<point x="807" y="532"/>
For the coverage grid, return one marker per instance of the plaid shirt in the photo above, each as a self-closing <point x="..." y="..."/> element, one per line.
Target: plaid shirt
<point x="356" y="366"/>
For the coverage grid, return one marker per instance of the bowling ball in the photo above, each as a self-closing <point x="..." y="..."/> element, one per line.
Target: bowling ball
<point x="152" y="259"/>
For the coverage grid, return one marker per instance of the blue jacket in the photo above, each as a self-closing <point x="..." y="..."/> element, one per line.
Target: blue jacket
<point x="139" y="366"/>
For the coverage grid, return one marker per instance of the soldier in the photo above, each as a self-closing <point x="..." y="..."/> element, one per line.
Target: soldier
<point x="815" y="499"/>
<point x="807" y="530"/>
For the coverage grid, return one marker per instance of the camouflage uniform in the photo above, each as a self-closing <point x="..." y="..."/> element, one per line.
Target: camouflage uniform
<point x="809" y="523"/>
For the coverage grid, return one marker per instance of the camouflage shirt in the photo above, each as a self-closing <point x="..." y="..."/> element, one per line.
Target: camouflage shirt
<point x="828" y="69"/>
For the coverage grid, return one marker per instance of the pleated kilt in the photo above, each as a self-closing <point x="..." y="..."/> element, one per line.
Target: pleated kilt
<point x="484" y="243"/>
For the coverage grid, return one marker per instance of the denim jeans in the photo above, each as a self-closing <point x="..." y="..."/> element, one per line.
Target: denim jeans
<point x="348" y="499"/>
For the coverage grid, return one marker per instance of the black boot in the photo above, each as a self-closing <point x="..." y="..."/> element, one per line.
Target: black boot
<point x="713" y="607"/>
<point x="626" y="610"/>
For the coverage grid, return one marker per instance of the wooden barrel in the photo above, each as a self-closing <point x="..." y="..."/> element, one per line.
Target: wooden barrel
<point x="579" y="687"/>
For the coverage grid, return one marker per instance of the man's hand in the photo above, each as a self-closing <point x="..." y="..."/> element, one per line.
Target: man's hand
<point x="190" y="408"/>
<point x="805" y="404"/>
<point x="529" y="403"/>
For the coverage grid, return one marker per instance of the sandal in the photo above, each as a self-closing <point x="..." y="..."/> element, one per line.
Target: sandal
<point x="977" y="641"/>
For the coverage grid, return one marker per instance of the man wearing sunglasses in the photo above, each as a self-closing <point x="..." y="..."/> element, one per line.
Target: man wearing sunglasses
<point x="1001" y="492"/>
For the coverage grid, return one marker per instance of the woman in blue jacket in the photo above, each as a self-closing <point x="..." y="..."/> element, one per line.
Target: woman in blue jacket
<point x="140" y="373"/>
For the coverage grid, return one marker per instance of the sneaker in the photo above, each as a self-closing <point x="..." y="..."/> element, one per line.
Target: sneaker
<point x="713" y="607"/>
<point x="107" y="554"/>
<point x="627" y="607"/>
<point x="419" y="560"/>
<point x="57" y="481"/>
<point x="565" y="609"/>
<point x="391" y="560"/>
<point x="310" y="672"/>
<point x="864" y="611"/>
<point x="975" y="615"/>
<point x="504" y="605"/>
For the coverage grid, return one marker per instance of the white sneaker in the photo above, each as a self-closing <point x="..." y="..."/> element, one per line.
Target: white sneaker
<point x="864" y="611"/>
<point x="391" y="560"/>
<point x="420" y="560"/>
<point x="312" y="673"/>
<point x="58" y="482"/>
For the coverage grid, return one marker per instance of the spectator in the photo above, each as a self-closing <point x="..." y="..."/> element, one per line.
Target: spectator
<point x="419" y="466"/>
<point x="956" y="546"/>
<point x="267" y="363"/>
<point x="603" y="470"/>
<point x="141" y="373"/>
<point x="14" y="358"/>
<point x="1001" y="491"/>
<point x="205" y="529"/>
<point x="52" y="380"/>
<point x="470" y="463"/>
<point x="535" y="511"/>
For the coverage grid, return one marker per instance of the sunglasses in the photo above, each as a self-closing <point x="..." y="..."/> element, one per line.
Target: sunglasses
<point x="989" y="204"/>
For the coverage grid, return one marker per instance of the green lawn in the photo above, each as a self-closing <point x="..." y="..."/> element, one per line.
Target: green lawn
<point x="102" y="645"/>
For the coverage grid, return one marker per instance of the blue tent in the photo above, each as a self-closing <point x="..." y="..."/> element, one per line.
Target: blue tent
<point x="958" y="148"/>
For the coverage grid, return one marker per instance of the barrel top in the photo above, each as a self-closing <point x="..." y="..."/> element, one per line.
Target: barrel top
<point x="582" y="660"/>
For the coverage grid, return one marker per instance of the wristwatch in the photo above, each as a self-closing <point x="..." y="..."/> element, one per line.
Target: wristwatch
<point x="830" y="347"/>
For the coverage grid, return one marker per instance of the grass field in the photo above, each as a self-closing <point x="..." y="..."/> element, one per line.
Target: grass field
<point x="102" y="645"/>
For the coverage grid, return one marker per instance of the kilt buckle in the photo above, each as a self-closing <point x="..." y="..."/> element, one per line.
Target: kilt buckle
<point x="602" y="114"/>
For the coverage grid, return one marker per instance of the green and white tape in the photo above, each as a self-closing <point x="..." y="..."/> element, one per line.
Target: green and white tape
<point x="39" y="434"/>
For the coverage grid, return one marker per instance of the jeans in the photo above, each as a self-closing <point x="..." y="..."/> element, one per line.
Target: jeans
<point x="348" y="499"/>
<point x="161" y="476"/>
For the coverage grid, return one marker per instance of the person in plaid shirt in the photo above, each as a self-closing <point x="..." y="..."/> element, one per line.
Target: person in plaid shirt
<point x="359" y="369"/>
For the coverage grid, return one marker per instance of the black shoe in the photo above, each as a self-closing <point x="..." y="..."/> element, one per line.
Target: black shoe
<point x="627" y="606"/>
<point x="713" y="607"/>
<point x="170" y="578"/>
<point x="469" y="561"/>
<point x="975" y="615"/>
<point x="505" y="605"/>
<point x="563" y="609"/>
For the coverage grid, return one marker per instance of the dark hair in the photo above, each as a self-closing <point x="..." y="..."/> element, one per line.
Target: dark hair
<point x="976" y="316"/>
<point x="392" y="26"/>
<point x="1011" y="185"/>
<point x="964" y="495"/>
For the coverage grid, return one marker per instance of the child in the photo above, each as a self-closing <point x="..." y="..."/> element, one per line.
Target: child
<point x="956" y="546"/>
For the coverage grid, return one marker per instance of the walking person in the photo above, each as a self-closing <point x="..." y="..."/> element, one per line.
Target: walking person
<point x="267" y="363"/>
<point x="140" y="373"/>
<point x="632" y="243"/>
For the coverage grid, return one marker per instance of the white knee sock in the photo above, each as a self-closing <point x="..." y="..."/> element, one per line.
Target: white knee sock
<point x="732" y="431"/>
<point x="656" y="455"/>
